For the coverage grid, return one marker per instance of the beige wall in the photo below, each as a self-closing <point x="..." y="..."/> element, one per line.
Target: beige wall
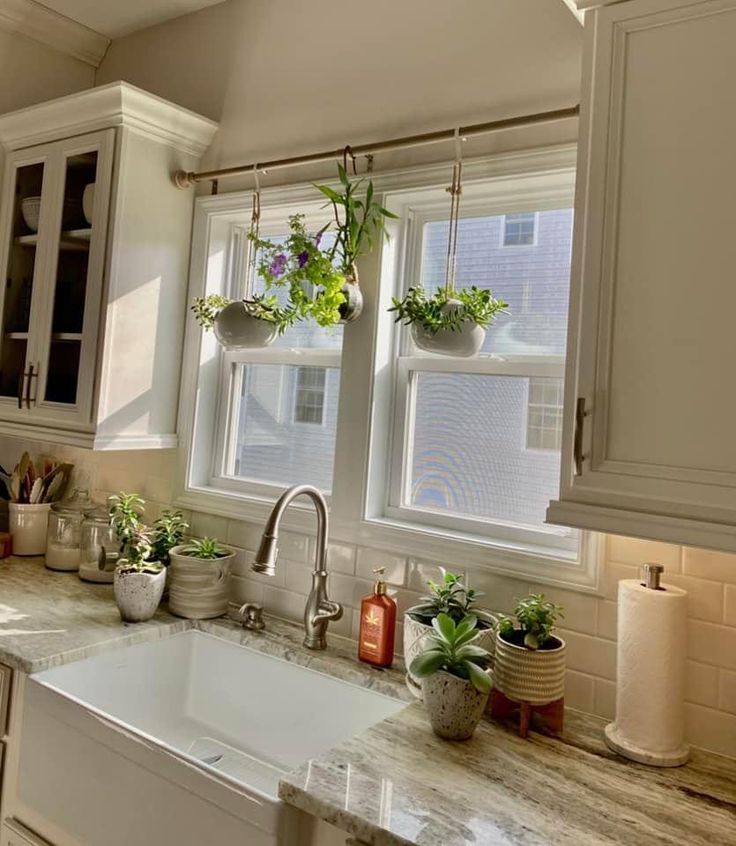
<point x="590" y="620"/>
<point x="31" y="72"/>
<point x="285" y="77"/>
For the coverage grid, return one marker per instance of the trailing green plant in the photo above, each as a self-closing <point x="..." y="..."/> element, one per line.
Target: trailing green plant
<point x="261" y="306"/>
<point x="359" y="219"/>
<point x="450" y="597"/>
<point x="536" y="617"/>
<point x="447" y="309"/>
<point x="207" y="549"/>
<point x="136" y="540"/>
<point x="452" y="648"/>
<point x="166" y="533"/>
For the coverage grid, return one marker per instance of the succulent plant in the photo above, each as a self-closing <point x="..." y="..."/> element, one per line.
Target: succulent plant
<point x="206" y="549"/>
<point x="450" y="597"/>
<point x="536" y="616"/>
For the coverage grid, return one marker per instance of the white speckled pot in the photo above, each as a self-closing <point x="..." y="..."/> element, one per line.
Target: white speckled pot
<point x="414" y="637"/>
<point x="454" y="705"/>
<point x="138" y="594"/>
<point x="536" y="676"/>
<point x="199" y="589"/>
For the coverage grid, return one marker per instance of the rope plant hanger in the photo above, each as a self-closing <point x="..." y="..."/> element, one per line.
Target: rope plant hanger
<point x="451" y="321"/>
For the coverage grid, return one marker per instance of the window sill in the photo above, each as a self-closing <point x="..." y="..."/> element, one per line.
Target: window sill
<point x="580" y="573"/>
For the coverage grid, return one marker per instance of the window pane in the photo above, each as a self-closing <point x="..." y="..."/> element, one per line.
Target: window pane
<point x="305" y="333"/>
<point x="534" y="281"/>
<point x="470" y="455"/>
<point x="272" y="446"/>
<point x="544" y="416"/>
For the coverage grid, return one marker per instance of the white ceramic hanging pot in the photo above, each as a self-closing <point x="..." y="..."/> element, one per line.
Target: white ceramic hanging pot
<point x="455" y="707"/>
<point x="138" y="594"/>
<point x="464" y="342"/>
<point x="536" y="676"/>
<point x="237" y="329"/>
<point x="352" y="308"/>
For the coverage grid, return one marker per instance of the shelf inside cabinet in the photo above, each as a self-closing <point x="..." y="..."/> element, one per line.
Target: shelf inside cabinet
<point x="66" y="336"/>
<point x="17" y="336"/>
<point x="73" y="240"/>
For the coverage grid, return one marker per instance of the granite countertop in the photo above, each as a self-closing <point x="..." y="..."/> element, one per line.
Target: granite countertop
<point x="398" y="783"/>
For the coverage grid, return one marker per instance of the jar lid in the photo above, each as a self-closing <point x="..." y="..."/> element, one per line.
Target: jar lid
<point x="78" y="503"/>
<point x="97" y="511"/>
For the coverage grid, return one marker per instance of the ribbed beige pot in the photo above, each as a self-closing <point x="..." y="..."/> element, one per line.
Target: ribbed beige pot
<point x="454" y="705"/>
<point x="536" y="676"/>
<point x="414" y="637"/>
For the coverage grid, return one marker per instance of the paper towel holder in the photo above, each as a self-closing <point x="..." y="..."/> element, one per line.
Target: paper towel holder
<point x="652" y="573"/>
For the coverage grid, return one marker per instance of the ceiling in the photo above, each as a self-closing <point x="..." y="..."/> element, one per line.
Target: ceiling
<point x="114" y="18"/>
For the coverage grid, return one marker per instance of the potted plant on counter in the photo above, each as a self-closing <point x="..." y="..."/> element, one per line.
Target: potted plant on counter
<point x="167" y="532"/>
<point x="530" y="659"/>
<point x="198" y="579"/>
<point x="449" y="322"/>
<point x="450" y="597"/>
<point x="455" y="683"/>
<point x="139" y="579"/>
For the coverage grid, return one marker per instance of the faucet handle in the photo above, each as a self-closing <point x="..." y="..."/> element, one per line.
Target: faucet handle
<point x="252" y="616"/>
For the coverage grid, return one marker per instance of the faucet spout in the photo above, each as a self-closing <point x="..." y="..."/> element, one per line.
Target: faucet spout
<point x="319" y="610"/>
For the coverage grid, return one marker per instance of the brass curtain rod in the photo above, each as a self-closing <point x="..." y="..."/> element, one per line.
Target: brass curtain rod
<point x="184" y="179"/>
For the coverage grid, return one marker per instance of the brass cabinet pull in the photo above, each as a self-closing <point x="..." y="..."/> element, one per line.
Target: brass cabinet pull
<point x="31" y="376"/>
<point x="21" y="380"/>
<point x="580" y="415"/>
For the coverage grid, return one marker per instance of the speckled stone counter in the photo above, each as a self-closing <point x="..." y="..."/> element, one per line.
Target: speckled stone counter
<point x="399" y="784"/>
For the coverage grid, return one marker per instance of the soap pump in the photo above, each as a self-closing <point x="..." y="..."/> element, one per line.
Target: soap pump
<point x="377" y="625"/>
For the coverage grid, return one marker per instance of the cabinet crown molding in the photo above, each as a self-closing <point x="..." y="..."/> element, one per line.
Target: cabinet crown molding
<point x="116" y="104"/>
<point x="54" y="30"/>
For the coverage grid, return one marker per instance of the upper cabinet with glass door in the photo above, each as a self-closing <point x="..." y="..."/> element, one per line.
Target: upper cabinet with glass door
<point x="650" y="410"/>
<point x="94" y="246"/>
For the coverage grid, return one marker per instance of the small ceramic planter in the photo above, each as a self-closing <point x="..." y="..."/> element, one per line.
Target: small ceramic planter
<point x="199" y="588"/>
<point x="455" y="707"/>
<point x="414" y="636"/>
<point x="352" y="308"/>
<point x="536" y="676"/>
<point x="28" y="525"/>
<point x="461" y="343"/>
<point x="138" y="594"/>
<point x="236" y="329"/>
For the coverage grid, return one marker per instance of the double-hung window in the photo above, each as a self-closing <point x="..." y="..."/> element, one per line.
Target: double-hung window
<point x="475" y="443"/>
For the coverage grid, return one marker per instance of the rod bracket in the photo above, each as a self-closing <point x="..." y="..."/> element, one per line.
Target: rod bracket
<point x="184" y="179"/>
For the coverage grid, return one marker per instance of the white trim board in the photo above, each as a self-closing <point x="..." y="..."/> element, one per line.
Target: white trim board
<point x="572" y="5"/>
<point x="54" y="30"/>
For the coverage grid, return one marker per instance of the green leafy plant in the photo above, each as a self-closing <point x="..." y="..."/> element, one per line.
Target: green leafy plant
<point x="206" y="549"/>
<point x="447" y="309"/>
<point x="358" y="219"/>
<point x="536" y="617"/>
<point x="450" y="597"/>
<point x="136" y="540"/>
<point x="451" y="648"/>
<point x="167" y="532"/>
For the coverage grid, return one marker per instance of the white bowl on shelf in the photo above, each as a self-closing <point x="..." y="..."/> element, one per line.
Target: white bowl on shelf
<point x="88" y="202"/>
<point x="31" y="209"/>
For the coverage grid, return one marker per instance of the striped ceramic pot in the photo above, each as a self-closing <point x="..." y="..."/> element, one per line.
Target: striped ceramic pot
<point x="536" y="676"/>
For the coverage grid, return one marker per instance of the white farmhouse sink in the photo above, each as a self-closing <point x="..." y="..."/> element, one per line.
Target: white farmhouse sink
<point x="233" y="713"/>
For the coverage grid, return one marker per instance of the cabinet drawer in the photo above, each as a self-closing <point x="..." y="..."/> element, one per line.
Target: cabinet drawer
<point x="6" y="679"/>
<point x="15" y="834"/>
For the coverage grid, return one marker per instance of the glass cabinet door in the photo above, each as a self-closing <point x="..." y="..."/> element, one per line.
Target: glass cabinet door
<point x="68" y="316"/>
<point x="25" y="193"/>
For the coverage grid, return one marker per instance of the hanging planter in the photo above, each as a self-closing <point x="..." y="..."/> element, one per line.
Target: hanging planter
<point x="352" y="306"/>
<point x="451" y="321"/>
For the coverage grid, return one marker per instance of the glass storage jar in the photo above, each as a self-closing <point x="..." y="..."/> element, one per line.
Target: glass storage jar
<point x="63" y="541"/>
<point x="100" y="548"/>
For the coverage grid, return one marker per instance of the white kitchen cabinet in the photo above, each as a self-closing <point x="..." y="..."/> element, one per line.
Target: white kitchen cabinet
<point x="649" y="446"/>
<point x="12" y="833"/>
<point x="92" y="314"/>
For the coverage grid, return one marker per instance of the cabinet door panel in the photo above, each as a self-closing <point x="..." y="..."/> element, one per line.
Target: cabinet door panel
<point x="68" y="326"/>
<point x="653" y="298"/>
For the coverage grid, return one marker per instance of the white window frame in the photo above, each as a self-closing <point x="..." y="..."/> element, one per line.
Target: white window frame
<point x="295" y="404"/>
<point x="363" y="451"/>
<point x="529" y="403"/>
<point x="535" y="233"/>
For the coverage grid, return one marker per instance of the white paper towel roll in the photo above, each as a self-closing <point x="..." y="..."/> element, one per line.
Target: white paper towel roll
<point x="650" y="713"/>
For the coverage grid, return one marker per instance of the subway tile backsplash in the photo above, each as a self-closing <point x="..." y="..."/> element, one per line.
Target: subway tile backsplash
<point x="590" y="621"/>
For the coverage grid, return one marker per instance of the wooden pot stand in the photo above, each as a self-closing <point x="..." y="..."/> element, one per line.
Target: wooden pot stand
<point x="551" y="715"/>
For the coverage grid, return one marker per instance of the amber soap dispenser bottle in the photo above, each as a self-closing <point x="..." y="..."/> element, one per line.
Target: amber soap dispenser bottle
<point x="377" y="625"/>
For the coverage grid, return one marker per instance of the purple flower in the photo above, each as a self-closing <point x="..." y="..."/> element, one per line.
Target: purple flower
<point x="278" y="265"/>
<point x="303" y="258"/>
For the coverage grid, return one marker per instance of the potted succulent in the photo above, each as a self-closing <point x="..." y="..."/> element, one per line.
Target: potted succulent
<point x="530" y="660"/>
<point x="450" y="597"/>
<point x="139" y="579"/>
<point x="454" y="680"/>
<point x="243" y="324"/>
<point x="32" y="488"/>
<point x="449" y="322"/>
<point x="198" y="580"/>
